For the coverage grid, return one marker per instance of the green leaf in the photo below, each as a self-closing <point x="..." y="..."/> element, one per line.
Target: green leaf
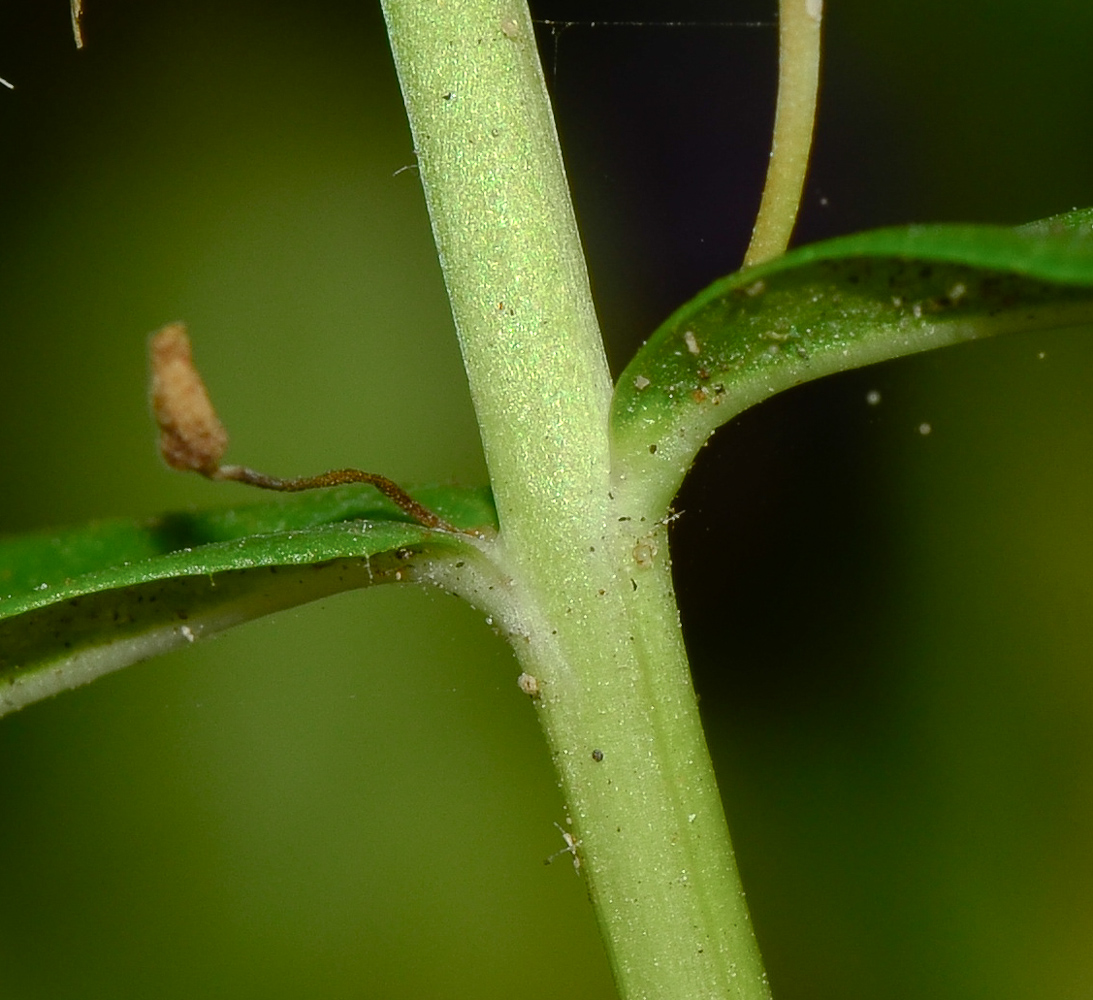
<point x="78" y="603"/>
<point x="830" y="307"/>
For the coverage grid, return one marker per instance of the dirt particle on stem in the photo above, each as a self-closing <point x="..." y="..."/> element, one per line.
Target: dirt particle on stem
<point x="645" y="551"/>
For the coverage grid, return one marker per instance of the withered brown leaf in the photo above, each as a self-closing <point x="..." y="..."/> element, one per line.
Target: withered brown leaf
<point x="191" y="437"/>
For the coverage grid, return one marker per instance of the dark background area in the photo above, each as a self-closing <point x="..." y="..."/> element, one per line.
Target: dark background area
<point x="890" y="630"/>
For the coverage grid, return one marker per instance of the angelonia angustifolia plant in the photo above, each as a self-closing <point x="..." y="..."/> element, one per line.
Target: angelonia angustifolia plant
<point x="566" y="549"/>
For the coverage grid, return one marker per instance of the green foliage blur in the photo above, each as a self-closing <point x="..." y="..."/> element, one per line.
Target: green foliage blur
<point x="888" y="603"/>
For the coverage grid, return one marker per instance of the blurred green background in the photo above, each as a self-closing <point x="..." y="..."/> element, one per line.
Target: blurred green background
<point x="891" y="630"/>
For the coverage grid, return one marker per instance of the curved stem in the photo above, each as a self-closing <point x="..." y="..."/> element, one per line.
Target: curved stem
<point x="339" y="477"/>
<point x="798" y="82"/>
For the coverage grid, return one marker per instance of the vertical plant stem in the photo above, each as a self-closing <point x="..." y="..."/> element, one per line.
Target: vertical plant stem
<point x="798" y="83"/>
<point x="504" y="226"/>
<point x="594" y="617"/>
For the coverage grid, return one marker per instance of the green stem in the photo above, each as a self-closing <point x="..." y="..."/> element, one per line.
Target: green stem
<point x="798" y="82"/>
<point x="507" y="238"/>
<point x="653" y="839"/>
<point x="588" y="599"/>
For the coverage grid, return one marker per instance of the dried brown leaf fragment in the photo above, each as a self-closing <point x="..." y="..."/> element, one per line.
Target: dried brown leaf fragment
<point x="191" y="437"/>
<point x="77" y="29"/>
